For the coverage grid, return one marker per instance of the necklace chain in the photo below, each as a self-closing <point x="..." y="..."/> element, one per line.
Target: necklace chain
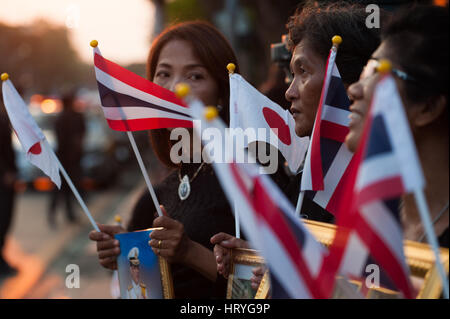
<point x="194" y="176"/>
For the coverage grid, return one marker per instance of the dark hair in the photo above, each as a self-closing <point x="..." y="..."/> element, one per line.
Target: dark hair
<point x="318" y="23"/>
<point x="418" y="36"/>
<point x="213" y="50"/>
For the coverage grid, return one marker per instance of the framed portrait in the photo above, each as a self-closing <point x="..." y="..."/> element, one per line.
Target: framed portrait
<point x="239" y="284"/>
<point x="142" y="274"/>
<point x="420" y="259"/>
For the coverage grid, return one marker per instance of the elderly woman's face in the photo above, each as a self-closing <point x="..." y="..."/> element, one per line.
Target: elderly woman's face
<point x="177" y="63"/>
<point x="304" y="92"/>
<point x="361" y="93"/>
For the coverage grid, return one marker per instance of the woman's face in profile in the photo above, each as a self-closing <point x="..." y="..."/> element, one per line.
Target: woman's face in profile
<point x="177" y="63"/>
<point x="361" y="93"/>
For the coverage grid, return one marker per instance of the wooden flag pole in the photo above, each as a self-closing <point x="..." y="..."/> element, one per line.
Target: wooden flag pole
<point x="431" y="237"/>
<point x="144" y="172"/>
<point x="73" y="188"/>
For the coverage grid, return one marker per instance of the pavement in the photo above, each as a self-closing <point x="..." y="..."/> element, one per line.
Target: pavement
<point x="42" y="254"/>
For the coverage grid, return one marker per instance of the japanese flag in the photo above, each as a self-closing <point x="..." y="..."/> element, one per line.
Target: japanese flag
<point x="250" y="109"/>
<point x="36" y="148"/>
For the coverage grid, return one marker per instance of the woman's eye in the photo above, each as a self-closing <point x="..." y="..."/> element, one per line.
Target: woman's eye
<point x="162" y="74"/>
<point x="195" y="76"/>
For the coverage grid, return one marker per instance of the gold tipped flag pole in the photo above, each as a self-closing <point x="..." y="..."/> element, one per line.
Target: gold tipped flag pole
<point x="385" y="67"/>
<point x="94" y="44"/>
<point x="231" y="67"/>
<point x="336" y="41"/>
<point x="5" y="77"/>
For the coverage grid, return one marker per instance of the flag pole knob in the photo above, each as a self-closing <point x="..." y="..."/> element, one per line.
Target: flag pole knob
<point x="384" y="66"/>
<point x="117" y="219"/>
<point x="5" y="76"/>
<point x="337" y="40"/>
<point x="231" y="67"/>
<point x="182" y="90"/>
<point x="211" y="113"/>
<point x="94" y="43"/>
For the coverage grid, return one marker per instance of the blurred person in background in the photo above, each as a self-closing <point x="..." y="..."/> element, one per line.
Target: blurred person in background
<point x="70" y="131"/>
<point x="8" y="172"/>
<point x="416" y="43"/>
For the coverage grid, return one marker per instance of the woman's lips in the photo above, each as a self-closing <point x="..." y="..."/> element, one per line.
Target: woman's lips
<point x="294" y="112"/>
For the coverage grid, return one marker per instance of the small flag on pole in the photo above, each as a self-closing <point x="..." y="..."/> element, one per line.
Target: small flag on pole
<point x="249" y="108"/>
<point x="34" y="143"/>
<point x="388" y="167"/>
<point x="293" y="255"/>
<point x="132" y="103"/>
<point x="328" y="161"/>
<point x="29" y="134"/>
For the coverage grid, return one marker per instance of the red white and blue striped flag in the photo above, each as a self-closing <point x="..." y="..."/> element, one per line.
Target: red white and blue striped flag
<point x="369" y="226"/>
<point x="328" y="160"/>
<point x="268" y="219"/>
<point x="132" y="103"/>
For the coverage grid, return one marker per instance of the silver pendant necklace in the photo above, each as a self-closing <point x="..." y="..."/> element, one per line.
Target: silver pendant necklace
<point x="184" y="189"/>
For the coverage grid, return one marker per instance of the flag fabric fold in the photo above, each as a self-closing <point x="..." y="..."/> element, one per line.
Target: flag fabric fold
<point x="33" y="141"/>
<point x="292" y="254"/>
<point x="369" y="227"/>
<point x="328" y="161"/>
<point x="249" y="108"/>
<point x="132" y="103"/>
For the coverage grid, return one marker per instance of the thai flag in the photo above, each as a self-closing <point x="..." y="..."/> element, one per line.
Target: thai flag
<point x="132" y="103"/>
<point x="328" y="160"/>
<point x="369" y="224"/>
<point x="293" y="255"/>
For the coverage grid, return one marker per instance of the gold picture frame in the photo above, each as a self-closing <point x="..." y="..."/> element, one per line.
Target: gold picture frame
<point x="419" y="256"/>
<point x="238" y="287"/>
<point x="166" y="278"/>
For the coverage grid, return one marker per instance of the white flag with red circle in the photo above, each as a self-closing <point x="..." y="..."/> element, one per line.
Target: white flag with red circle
<point x="249" y="108"/>
<point x="29" y="134"/>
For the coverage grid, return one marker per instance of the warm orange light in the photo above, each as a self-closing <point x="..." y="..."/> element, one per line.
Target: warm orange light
<point x="49" y="106"/>
<point x="43" y="184"/>
<point x="441" y="3"/>
<point x="36" y="98"/>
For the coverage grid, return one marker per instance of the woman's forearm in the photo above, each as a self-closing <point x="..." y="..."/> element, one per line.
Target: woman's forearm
<point x="201" y="259"/>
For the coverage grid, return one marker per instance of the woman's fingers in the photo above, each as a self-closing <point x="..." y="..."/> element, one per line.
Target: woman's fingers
<point x="220" y="237"/>
<point x="114" y="252"/>
<point x="107" y="244"/>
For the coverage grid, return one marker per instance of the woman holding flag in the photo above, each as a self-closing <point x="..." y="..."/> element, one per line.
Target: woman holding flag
<point x="421" y="75"/>
<point x="197" y="54"/>
<point x="310" y="32"/>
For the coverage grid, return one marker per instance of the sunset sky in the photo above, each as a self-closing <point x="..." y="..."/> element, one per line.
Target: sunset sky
<point x="122" y="27"/>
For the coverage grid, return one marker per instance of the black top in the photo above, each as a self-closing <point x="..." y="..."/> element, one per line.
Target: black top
<point x="290" y="186"/>
<point x="7" y="158"/>
<point x="444" y="239"/>
<point x="203" y="214"/>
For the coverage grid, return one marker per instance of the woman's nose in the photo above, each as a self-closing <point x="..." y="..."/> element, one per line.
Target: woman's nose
<point x="173" y="84"/>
